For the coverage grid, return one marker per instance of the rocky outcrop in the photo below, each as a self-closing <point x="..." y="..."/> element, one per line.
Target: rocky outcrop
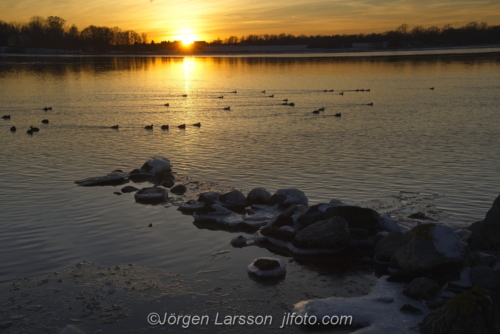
<point x="233" y="200"/>
<point x="111" y="179"/>
<point x="422" y="288"/>
<point x="331" y="234"/>
<point x="287" y="197"/>
<point x="151" y="195"/>
<point x="356" y="217"/>
<point x="258" y="196"/>
<point x="388" y="246"/>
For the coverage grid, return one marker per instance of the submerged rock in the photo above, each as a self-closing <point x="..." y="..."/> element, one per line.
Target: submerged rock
<point x="113" y="178"/>
<point x="129" y="189"/>
<point x="258" y="196"/>
<point x="151" y="195"/>
<point x="430" y="248"/>
<point x="331" y="234"/>
<point x="267" y="267"/>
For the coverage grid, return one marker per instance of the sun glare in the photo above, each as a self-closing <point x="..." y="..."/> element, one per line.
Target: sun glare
<point x="185" y="36"/>
<point x="187" y="40"/>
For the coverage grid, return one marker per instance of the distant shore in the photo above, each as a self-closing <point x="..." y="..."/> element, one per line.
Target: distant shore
<point x="295" y="50"/>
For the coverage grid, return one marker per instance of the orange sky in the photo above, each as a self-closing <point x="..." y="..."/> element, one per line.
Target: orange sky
<point x="207" y="20"/>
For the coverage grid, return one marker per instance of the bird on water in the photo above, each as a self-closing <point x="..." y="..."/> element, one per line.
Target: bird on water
<point x="149" y="127"/>
<point x="45" y="121"/>
<point x="115" y="127"/>
<point x="13" y="129"/>
<point x="197" y="124"/>
<point x="164" y="127"/>
<point x="182" y="126"/>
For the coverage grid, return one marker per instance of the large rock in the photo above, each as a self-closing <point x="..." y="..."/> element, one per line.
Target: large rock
<point x="217" y="214"/>
<point x="389" y="245"/>
<point x="287" y="197"/>
<point x="331" y="234"/>
<point x="233" y="200"/>
<point x="356" y="217"/>
<point x="313" y="214"/>
<point x="286" y="217"/>
<point x="484" y="277"/>
<point x="422" y="288"/>
<point x="258" y="196"/>
<point x="113" y="178"/>
<point x="278" y="233"/>
<point x="209" y="197"/>
<point x="430" y="248"/>
<point x="470" y="312"/>
<point x="490" y="229"/>
<point x="151" y="195"/>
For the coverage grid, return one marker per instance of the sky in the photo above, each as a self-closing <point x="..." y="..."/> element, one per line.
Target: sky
<point x="211" y="19"/>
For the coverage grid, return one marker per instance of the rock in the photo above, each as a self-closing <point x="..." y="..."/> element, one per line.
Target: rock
<point x="356" y="217"/>
<point x="239" y="241"/>
<point x="421" y="216"/>
<point x="179" y="189"/>
<point x="464" y="281"/>
<point x="478" y="258"/>
<point x="336" y="202"/>
<point x="218" y="214"/>
<point x="191" y="206"/>
<point x="113" y="178"/>
<point x="475" y="227"/>
<point x="285" y="218"/>
<point x="156" y="165"/>
<point x="129" y="189"/>
<point x="138" y="175"/>
<point x="277" y="233"/>
<point x="332" y="234"/>
<point x="388" y="224"/>
<point x="313" y="214"/>
<point x="267" y="267"/>
<point x="258" y="196"/>
<point x="117" y="193"/>
<point x="470" y="312"/>
<point x="209" y="197"/>
<point x="6" y="324"/>
<point x="422" y="288"/>
<point x="463" y="234"/>
<point x="430" y="248"/>
<point x="151" y="195"/>
<point x="490" y="231"/>
<point x="165" y="181"/>
<point x="388" y="246"/>
<point x="287" y="197"/>
<point x="484" y="277"/>
<point x="435" y="304"/>
<point x="233" y="200"/>
<point x="69" y="329"/>
<point x="408" y="308"/>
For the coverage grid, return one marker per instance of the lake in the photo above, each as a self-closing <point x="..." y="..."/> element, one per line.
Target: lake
<point x="415" y="149"/>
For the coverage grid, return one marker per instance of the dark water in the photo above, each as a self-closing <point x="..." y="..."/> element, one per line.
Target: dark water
<point x="415" y="149"/>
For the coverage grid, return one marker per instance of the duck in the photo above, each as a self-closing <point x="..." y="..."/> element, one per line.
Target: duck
<point x="47" y="108"/>
<point x="13" y="129"/>
<point x="34" y="129"/>
<point x="315" y="112"/>
<point x="325" y="90"/>
<point x="432" y="88"/>
<point x="184" y="95"/>
<point x="341" y="93"/>
<point x="30" y="132"/>
<point x="321" y="109"/>
<point x="361" y="90"/>
<point x="45" y="121"/>
<point x="164" y="127"/>
<point x="114" y="127"/>
<point x="182" y="126"/>
<point x="331" y="90"/>
<point x="234" y="92"/>
<point x="338" y="114"/>
<point x="357" y="90"/>
<point x="197" y="124"/>
<point x="227" y="108"/>
<point x="370" y="104"/>
<point x="285" y="100"/>
<point x="367" y="90"/>
<point x="221" y="97"/>
<point x="264" y="91"/>
<point x="6" y="117"/>
<point x="167" y="104"/>
<point x="291" y="104"/>
<point x="149" y="127"/>
<point x="271" y="95"/>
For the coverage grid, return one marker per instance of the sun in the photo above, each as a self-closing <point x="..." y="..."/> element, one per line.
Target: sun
<point x="187" y="40"/>
<point x="185" y="36"/>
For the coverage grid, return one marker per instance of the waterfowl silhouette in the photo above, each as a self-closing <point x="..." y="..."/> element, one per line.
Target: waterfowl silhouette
<point x="227" y="108"/>
<point x="34" y="129"/>
<point x="234" y="92"/>
<point x="315" y="112"/>
<point x="164" y="127"/>
<point x="30" y="132"/>
<point x="6" y="117"/>
<point x="149" y="127"/>
<point x="271" y="95"/>
<point x="45" y="121"/>
<point x="338" y="115"/>
<point x="357" y="90"/>
<point x="184" y="95"/>
<point x="221" y="97"/>
<point x="114" y="127"/>
<point x="331" y="90"/>
<point x="285" y="100"/>
<point x="432" y="88"/>
<point x="341" y="93"/>
<point x="167" y="104"/>
<point x="291" y="104"/>
<point x="197" y="124"/>
<point x="182" y="126"/>
<point x="325" y="90"/>
<point x="361" y="90"/>
<point x="367" y="90"/>
<point x="370" y="104"/>
<point x="13" y="129"/>
<point x="47" y="108"/>
<point x="264" y="91"/>
<point x="321" y="109"/>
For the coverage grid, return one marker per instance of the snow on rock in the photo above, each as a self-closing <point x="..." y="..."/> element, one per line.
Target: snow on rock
<point x="156" y="164"/>
<point x="267" y="267"/>
<point x="465" y="280"/>
<point x="379" y="311"/>
<point x="447" y="241"/>
<point x="218" y="214"/>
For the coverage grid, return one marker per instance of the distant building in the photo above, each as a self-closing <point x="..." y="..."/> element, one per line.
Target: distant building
<point x="19" y="41"/>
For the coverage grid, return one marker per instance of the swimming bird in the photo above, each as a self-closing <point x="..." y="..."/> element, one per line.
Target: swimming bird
<point x="325" y="90"/>
<point x="184" y="95"/>
<point x="167" y="104"/>
<point x="338" y="115"/>
<point x="264" y="91"/>
<point x="149" y="127"/>
<point x="357" y="90"/>
<point x="331" y="90"/>
<point x="321" y="109"/>
<point x="13" y="129"/>
<point x="30" y="132"/>
<point x="227" y="108"/>
<point x="221" y="97"/>
<point x="367" y="90"/>
<point x="164" y="127"/>
<point x="285" y="100"/>
<point x="341" y="93"/>
<point x="315" y="112"/>
<point x="6" y="117"/>
<point x="47" y="108"/>
<point x="370" y="104"/>
<point x="197" y="124"/>
<point x="271" y="95"/>
<point x="182" y="126"/>
<point x="361" y="90"/>
<point x="291" y="104"/>
<point x="234" y="92"/>
<point x="114" y="127"/>
<point x="432" y="88"/>
<point x="34" y="129"/>
<point x="45" y="121"/>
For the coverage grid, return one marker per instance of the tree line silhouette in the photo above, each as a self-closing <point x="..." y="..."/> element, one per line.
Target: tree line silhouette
<point x="53" y="33"/>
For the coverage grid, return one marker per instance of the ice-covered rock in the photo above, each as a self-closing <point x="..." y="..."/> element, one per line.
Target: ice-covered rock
<point x="218" y="214"/>
<point x="430" y="247"/>
<point x="287" y="197"/>
<point x="233" y="200"/>
<point x="464" y="281"/>
<point x="389" y="245"/>
<point x="356" y="217"/>
<point x="113" y="178"/>
<point x="388" y="224"/>
<point x="331" y="234"/>
<point x="151" y="195"/>
<point x="422" y="288"/>
<point x="267" y="267"/>
<point x="379" y="312"/>
<point x="258" y="196"/>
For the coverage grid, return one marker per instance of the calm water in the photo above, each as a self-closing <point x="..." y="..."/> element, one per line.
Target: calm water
<point x="415" y="149"/>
